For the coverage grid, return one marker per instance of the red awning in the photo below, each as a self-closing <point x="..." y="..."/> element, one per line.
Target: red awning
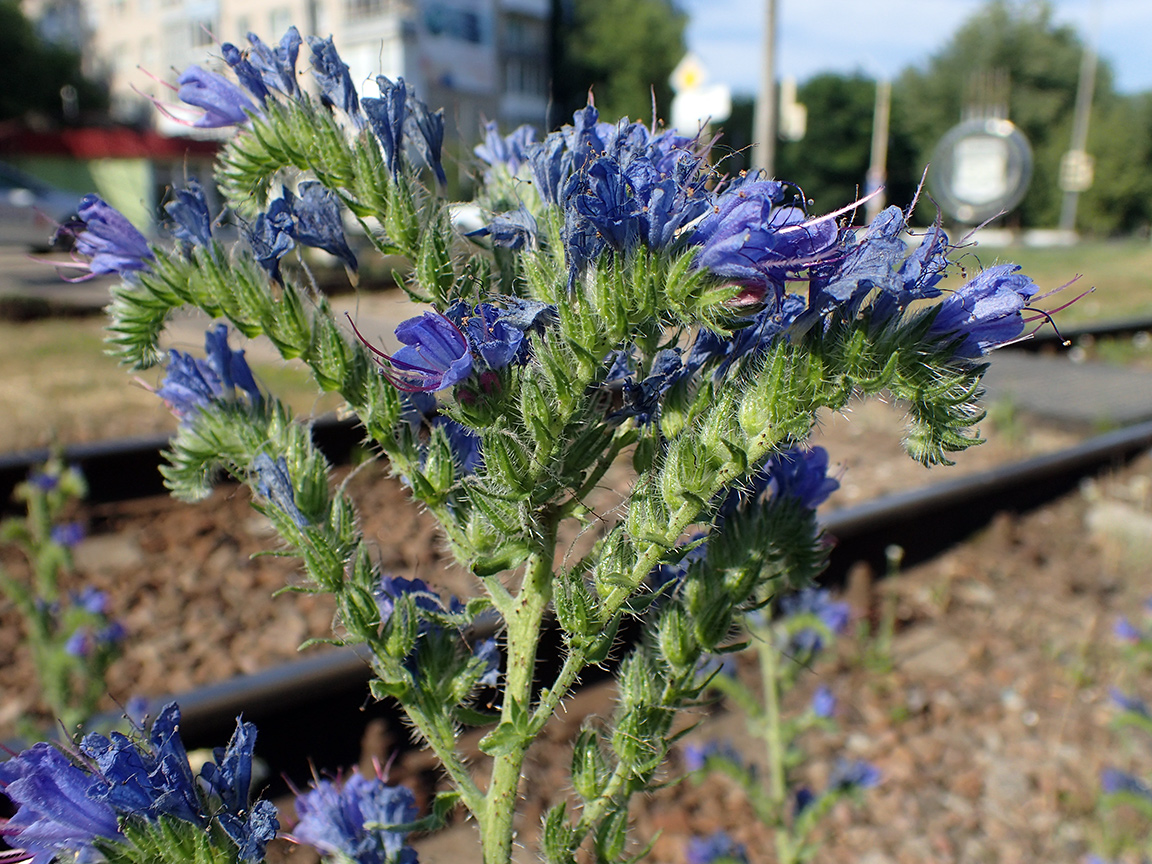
<point x="112" y="142"/>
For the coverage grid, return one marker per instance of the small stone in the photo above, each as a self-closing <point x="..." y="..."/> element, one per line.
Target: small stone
<point x="968" y="784"/>
<point x="108" y="552"/>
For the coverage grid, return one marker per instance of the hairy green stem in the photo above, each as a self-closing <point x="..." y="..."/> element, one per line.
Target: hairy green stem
<point x="523" y="629"/>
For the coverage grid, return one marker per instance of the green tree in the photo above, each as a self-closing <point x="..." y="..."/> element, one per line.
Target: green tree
<point x="34" y="71"/>
<point x="622" y="50"/>
<point x="1042" y="62"/>
<point x="830" y="162"/>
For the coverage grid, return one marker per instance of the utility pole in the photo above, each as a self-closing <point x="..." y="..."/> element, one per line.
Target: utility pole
<point x="1076" y="166"/>
<point x="878" y="165"/>
<point x="764" y="132"/>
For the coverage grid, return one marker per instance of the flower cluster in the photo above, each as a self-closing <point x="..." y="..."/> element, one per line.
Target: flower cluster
<point x="192" y="384"/>
<point x="79" y="805"/>
<point x="353" y="819"/>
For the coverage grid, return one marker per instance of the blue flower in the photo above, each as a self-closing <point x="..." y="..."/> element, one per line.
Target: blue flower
<point x="697" y="756"/>
<point x="514" y="229"/>
<point x="392" y="588"/>
<point x="316" y="220"/>
<point x="91" y="600"/>
<point x="435" y="355"/>
<point x="823" y="702"/>
<point x="547" y="161"/>
<point x="276" y="66"/>
<point x="1130" y="703"/>
<point x="1124" y="629"/>
<point x="430" y="125"/>
<point x="421" y="411"/>
<point x="879" y="259"/>
<point x="489" y="653"/>
<point x="151" y="778"/>
<point x="189" y="385"/>
<point x="67" y="533"/>
<point x="852" y="774"/>
<point x="752" y="239"/>
<point x="511" y="151"/>
<point x="189" y="212"/>
<point x="79" y="644"/>
<point x="248" y="75"/>
<point x="223" y="103"/>
<point x="229" y="779"/>
<point x="275" y="484"/>
<point x="642" y="399"/>
<point x="496" y="342"/>
<point x="230" y="366"/>
<point x="802" y="800"/>
<point x="192" y="384"/>
<point x="764" y="330"/>
<point x="270" y="237"/>
<point x="386" y="116"/>
<point x="1115" y="782"/>
<point x="799" y="475"/>
<point x="985" y="313"/>
<point x="717" y="848"/>
<point x="818" y="602"/>
<point x="109" y="241"/>
<point x="336" y="86"/>
<point x="350" y="818"/>
<point x="600" y="202"/>
<point x="528" y="315"/>
<point x="55" y="815"/>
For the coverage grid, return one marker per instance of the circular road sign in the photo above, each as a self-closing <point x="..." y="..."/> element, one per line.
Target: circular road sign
<point x="981" y="169"/>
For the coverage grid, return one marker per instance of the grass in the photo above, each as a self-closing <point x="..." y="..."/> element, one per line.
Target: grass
<point x="1120" y="271"/>
<point x="58" y="385"/>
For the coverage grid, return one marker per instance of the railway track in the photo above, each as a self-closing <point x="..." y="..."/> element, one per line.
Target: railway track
<point x="313" y="711"/>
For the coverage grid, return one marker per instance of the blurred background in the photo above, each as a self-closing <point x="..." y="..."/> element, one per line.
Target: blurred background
<point x="78" y="76"/>
<point x="1036" y="119"/>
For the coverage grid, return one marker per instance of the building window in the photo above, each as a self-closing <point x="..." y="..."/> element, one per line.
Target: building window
<point x="279" y="19"/>
<point x="524" y="76"/>
<point x="363" y="10"/>
<point x="200" y="34"/>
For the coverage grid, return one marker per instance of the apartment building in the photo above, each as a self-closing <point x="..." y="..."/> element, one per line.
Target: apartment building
<point x="479" y="59"/>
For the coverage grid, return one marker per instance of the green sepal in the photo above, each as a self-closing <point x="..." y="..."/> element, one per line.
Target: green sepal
<point x="559" y="837"/>
<point x="601" y="648"/>
<point x="469" y="716"/>
<point x="511" y="734"/>
<point x="589" y="768"/>
<point x="612" y="836"/>
<point x="394" y="688"/>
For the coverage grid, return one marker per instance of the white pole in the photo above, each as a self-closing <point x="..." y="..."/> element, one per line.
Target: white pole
<point x="1084" y="88"/>
<point x="764" y="133"/>
<point x="878" y="165"/>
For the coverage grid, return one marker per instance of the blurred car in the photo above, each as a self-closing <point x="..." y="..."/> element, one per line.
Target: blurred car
<point x="31" y="210"/>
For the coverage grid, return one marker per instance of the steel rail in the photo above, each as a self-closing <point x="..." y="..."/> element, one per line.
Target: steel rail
<point x="313" y="711"/>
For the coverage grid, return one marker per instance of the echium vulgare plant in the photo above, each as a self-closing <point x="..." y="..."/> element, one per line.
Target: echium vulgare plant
<point x="71" y="637"/>
<point x="625" y="301"/>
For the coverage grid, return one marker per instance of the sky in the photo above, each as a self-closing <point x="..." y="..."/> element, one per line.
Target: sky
<point x="880" y="38"/>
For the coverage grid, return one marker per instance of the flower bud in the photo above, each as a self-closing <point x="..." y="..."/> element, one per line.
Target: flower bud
<point x="589" y="770"/>
<point x="558" y="840"/>
<point x="677" y="646"/>
<point x="575" y="609"/>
